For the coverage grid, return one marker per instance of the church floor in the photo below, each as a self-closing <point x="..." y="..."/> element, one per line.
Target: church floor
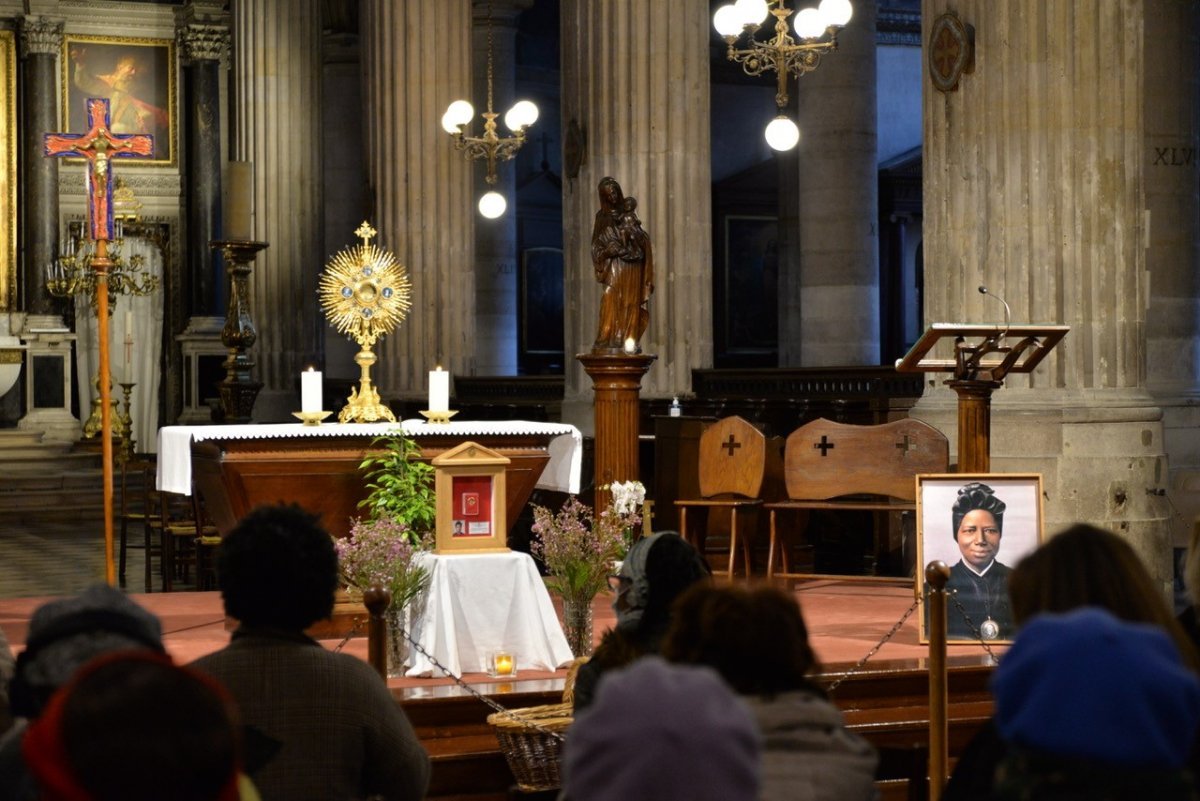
<point x="42" y="560"/>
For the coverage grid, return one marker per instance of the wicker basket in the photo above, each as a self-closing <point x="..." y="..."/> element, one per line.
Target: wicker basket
<point x="533" y="754"/>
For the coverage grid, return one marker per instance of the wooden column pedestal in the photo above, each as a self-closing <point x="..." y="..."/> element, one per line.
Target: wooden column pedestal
<point x="617" y="382"/>
<point x="974" y="424"/>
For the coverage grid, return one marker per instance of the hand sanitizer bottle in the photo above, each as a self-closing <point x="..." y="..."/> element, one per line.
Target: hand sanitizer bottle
<point x="676" y="410"/>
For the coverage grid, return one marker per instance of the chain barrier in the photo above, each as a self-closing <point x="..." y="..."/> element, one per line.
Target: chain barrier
<point x="899" y="624"/>
<point x="508" y="713"/>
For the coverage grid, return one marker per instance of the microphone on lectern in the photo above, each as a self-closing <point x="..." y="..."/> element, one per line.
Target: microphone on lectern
<point x="983" y="290"/>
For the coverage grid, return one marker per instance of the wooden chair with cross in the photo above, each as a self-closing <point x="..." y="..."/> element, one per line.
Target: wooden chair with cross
<point x="735" y="459"/>
<point x="837" y="467"/>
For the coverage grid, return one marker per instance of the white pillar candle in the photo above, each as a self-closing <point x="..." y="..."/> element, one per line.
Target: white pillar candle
<point x="630" y="345"/>
<point x="439" y="390"/>
<point x="128" y="345"/>
<point x="239" y="200"/>
<point x="310" y="390"/>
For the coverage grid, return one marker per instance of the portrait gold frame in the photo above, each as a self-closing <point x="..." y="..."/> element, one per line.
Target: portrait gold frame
<point x="8" y="171"/>
<point x="470" y="460"/>
<point x="72" y="97"/>
<point x="1022" y="533"/>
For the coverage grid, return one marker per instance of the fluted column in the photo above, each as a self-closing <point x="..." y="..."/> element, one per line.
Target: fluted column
<point x="1035" y="186"/>
<point x="838" y="319"/>
<point x="203" y="35"/>
<point x="278" y="98"/>
<point x="635" y="81"/>
<point x="496" y="256"/>
<point x="40" y="44"/>
<point x="417" y="58"/>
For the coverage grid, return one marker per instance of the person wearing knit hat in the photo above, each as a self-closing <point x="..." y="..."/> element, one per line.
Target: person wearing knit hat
<point x="64" y="635"/>
<point x="662" y="732"/>
<point x="1094" y="707"/>
<point x="978" y="580"/>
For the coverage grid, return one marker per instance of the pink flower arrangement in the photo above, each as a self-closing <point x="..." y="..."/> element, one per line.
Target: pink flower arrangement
<point x="577" y="548"/>
<point x="381" y="553"/>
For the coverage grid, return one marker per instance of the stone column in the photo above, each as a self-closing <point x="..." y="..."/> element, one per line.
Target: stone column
<point x="203" y="36"/>
<point x="635" y="82"/>
<point x="496" y="240"/>
<point x="40" y="43"/>
<point x="1171" y="161"/>
<point x="838" y="286"/>
<point x="278" y="98"/>
<point x="417" y="58"/>
<point x="1035" y="182"/>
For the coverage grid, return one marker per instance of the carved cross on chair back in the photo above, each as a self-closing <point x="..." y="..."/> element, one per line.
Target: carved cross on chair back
<point x="735" y="459"/>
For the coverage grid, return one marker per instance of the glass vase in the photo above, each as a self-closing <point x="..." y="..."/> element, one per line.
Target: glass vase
<point x="577" y="625"/>
<point x="397" y="643"/>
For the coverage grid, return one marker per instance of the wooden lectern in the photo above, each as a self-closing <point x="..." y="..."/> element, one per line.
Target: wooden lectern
<point x="983" y="356"/>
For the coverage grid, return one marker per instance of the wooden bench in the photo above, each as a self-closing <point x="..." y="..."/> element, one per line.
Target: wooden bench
<point x="836" y="466"/>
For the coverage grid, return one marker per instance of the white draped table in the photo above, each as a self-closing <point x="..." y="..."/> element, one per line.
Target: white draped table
<point x="478" y="604"/>
<point x="175" y="444"/>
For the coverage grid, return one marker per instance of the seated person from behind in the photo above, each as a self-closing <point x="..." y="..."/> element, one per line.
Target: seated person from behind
<point x="338" y="731"/>
<point x="979" y="581"/>
<point x="1091" y="707"/>
<point x="132" y="726"/>
<point x="655" y="572"/>
<point x="662" y="732"/>
<point x="756" y="639"/>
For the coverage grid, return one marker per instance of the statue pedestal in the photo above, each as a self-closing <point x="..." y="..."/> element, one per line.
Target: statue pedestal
<point x="617" y="382"/>
<point x="48" y="385"/>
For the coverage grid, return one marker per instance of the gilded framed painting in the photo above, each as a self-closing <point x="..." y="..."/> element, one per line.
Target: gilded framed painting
<point x="138" y="78"/>
<point x="8" y="171"/>
<point x="980" y="525"/>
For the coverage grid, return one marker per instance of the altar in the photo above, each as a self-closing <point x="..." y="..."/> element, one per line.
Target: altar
<point x="236" y="468"/>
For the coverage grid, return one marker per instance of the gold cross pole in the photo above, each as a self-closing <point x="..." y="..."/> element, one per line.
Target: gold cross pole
<point x="98" y="146"/>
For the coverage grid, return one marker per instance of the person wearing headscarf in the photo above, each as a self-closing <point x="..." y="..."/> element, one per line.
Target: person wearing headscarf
<point x="655" y="572"/>
<point x="978" y="580"/>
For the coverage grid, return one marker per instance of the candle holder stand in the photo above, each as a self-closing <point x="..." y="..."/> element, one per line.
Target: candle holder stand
<point x="311" y="418"/>
<point x="438" y="418"/>
<point x="238" y="390"/>
<point x="125" y="420"/>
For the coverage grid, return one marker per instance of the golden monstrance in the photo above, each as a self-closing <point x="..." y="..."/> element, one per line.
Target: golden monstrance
<point x="365" y="293"/>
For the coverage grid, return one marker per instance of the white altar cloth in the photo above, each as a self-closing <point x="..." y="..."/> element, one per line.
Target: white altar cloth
<point x="481" y="603"/>
<point x="175" y="444"/>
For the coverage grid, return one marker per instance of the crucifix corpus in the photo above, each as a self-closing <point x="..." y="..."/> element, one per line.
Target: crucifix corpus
<point x="99" y="145"/>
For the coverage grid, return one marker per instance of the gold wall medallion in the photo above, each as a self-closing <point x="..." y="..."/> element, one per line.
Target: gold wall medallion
<point x="365" y="293"/>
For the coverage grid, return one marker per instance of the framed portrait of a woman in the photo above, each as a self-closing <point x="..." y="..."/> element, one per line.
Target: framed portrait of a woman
<point x="138" y="78"/>
<point x="980" y="525"/>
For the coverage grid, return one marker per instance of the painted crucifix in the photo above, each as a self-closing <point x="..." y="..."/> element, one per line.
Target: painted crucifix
<point x="99" y="145"/>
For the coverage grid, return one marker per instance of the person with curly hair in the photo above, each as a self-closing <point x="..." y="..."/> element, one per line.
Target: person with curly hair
<point x="756" y="639"/>
<point x="979" y="581"/>
<point x="336" y="730"/>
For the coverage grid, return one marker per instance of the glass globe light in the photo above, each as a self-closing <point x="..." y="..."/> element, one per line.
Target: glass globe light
<point x="810" y="24"/>
<point x="492" y="205"/>
<point x="728" y="21"/>
<point x="523" y="114"/>
<point x="836" y="12"/>
<point x="782" y="133"/>
<point x="457" y="113"/>
<point x="752" y="12"/>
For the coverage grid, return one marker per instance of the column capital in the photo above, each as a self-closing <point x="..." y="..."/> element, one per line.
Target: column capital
<point x="40" y="35"/>
<point x="504" y="12"/>
<point x="204" y="42"/>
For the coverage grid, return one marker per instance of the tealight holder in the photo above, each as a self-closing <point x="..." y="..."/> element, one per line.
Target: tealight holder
<point x="502" y="665"/>
<point x="439" y="417"/>
<point x="311" y="418"/>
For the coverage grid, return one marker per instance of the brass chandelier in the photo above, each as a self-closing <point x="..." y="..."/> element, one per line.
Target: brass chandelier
<point x="816" y="34"/>
<point x="490" y="146"/>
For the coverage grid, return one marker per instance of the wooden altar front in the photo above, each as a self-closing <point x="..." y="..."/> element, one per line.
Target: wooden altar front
<point x="236" y="468"/>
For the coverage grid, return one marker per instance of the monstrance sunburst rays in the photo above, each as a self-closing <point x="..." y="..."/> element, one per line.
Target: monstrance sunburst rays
<point x="365" y="293"/>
